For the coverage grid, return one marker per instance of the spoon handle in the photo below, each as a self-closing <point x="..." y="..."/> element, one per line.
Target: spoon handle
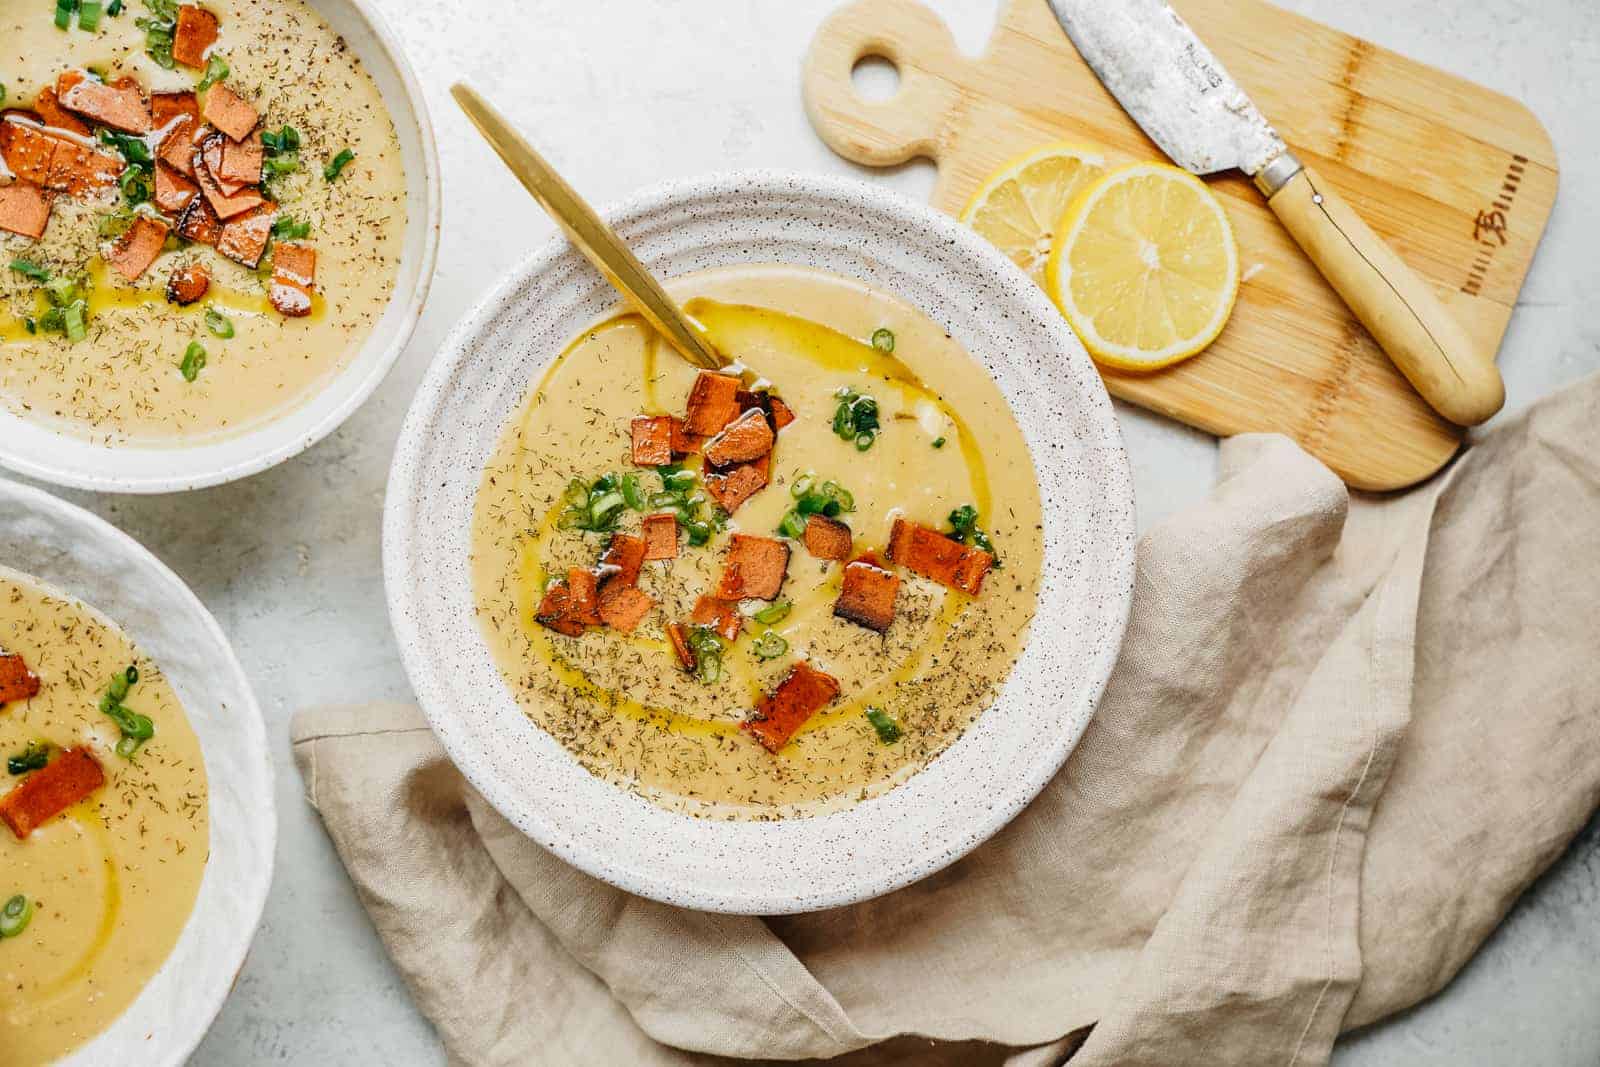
<point x="587" y="231"/>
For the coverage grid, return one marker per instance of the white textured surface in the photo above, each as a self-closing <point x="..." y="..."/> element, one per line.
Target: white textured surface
<point x="622" y="93"/>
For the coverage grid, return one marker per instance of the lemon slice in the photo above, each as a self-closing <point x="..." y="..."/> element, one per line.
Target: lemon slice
<point x="1018" y="206"/>
<point x="1145" y="267"/>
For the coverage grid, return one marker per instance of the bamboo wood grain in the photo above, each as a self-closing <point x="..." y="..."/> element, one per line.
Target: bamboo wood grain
<point x="1425" y="158"/>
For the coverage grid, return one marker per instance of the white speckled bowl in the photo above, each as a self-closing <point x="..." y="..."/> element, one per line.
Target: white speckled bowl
<point x="38" y="451"/>
<point x="480" y="378"/>
<point x="68" y="548"/>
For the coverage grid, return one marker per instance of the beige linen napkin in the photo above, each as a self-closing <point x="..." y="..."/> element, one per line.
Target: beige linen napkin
<point x="1342" y="737"/>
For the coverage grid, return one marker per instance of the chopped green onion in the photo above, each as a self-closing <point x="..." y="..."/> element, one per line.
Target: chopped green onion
<point x="284" y="140"/>
<point x="774" y="613"/>
<point x="663" y="500"/>
<point x="32" y="758"/>
<point x="159" y="30"/>
<point x="114" y="8"/>
<point x="720" y="518"/>
<point x="678" y="481"/>
<point x="883" y="339"/>
<point x="287" y="228"/>
<point x="856" y="418"/>
<point x="707" y="646"/>
<point x="770" y="645"/>
<point x="72" y="321"/>
<point x="699" y="532"/>
<point x="802" y="485"/>
<point x="337" y="164"/>
<point x="194" y="361"/>
<point x="793" y="525"/>
<point x="2" y="93"/>
<point x="89" y="12"/>
<point x="964" y="528"/>
<point x="218" y="323"/>
<point x="632" y="493"/>
<point x="136" y="729"/>
<point x="30" y="270"/>
<point x="888" y="730"/>
<point x="604" y="507"/>
<point x="15" y="916"/>
<point x="30" y="324"/>
<point x="64" y="10"/>
<point x="279" y="165"/>
<point x="216" y="71"/>
<point x="938" y="442"/>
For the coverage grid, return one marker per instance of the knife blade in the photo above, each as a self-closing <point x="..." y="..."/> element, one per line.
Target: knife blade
<point x="1172" y="85"/>
<point x="1169" y="81"/>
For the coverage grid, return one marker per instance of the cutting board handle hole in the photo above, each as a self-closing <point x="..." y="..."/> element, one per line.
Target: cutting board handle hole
<point x="875" y="78"/>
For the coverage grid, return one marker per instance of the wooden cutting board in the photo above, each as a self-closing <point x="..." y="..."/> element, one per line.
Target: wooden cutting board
<point x="1460" y="180"/>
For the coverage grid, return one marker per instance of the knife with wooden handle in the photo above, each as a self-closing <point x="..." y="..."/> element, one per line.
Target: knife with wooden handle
<point x="1166" y="78"/>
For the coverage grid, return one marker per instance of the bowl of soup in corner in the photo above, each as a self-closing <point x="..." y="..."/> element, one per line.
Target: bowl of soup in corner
<point x="218" y="222"/>
<point x="786" y="634"/>
<point x="136" y="807"/>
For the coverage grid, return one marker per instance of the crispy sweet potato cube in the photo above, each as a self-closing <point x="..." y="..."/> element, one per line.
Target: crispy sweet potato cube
<point x="802" y="693"/>
<point x="933" y="555"/>
<point x="26" y="148"/>
<point x="200" y="224"/>
<point x="173" y="190"/>
<point x="713" y="403"/>
<point x="572" y="604"/>
<point x="17" y="682"/>
<point x="48" y="105"/>
<point x="187" y="283"/>
<point x="224" y="204"/>
<point x="136" y="249"/>
<point x="213" y="152"/>
<point x="778" y="413"/>
<point x="294" y="273"/>
<point x="651" y="439"/>
<point x="584" y="596"/>
<point x="867" y="595"/>
<point x="720" y="615"/>
<point x="44" y="794"/>
<point x="680" y="646"/>
<point x="196" y="32"/>
<point x="120" y="106"/>
<point x="229" y="112"/>
<point x="755" y="567"/>
<point x="244" y="238"/>
<point x="827" y="538"/>
<point x="24" y="209"/>
<point x="79" y="171"/>
<point x="178" y="115"/>
<point x="623" y="607"/>
<point x="732" y="487"/>
<point x="746" y="438"/>
<point x="164" y="107"/>
<point x="661" y="536"/>
<point x="621" y="560"/>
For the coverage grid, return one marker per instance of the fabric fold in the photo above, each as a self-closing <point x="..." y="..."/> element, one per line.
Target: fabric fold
<point x="1341" y="737"/>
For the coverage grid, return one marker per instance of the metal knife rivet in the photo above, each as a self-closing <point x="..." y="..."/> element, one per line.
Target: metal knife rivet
<point x="1317" y="198"/>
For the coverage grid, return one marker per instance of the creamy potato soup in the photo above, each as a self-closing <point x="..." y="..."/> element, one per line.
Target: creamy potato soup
<point x="103" y="821"/>
<point x="201" y="214"/>
<point x="772" y="591"/>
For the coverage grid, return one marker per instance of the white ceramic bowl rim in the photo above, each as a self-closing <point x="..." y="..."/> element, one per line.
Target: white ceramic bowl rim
<point x="81" y="554"/>
<point x="979" y="783"/>
<point x="48" y="455"/>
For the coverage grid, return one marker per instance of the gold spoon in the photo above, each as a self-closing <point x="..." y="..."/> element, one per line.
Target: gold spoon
<point x="598" y="242"/>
